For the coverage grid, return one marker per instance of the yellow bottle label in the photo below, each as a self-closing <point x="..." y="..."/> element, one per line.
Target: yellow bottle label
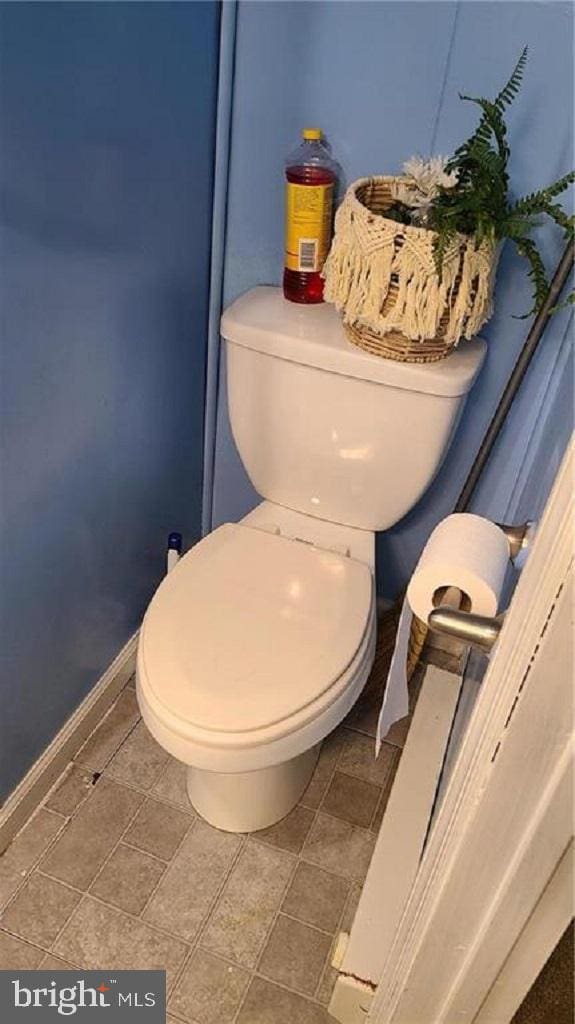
<point x="308" y="226"/>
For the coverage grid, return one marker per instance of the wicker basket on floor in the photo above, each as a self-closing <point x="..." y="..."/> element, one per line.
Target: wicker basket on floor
<point x="367" y="260"/>
<point x="417" y="637"/>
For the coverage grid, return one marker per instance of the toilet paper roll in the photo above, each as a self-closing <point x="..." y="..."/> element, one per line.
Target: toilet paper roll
<point x="464" y="551"/>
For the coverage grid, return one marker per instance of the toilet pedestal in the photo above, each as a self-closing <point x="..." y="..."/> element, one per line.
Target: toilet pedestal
<point x="248" y="801"/>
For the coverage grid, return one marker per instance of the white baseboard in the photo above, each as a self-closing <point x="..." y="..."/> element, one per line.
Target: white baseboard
<point x="37" y="782"/>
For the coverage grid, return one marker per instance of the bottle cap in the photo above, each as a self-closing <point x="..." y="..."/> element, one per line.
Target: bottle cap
<point x="312" y="133"/>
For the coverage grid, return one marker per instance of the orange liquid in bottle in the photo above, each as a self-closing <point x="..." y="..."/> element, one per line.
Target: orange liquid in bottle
<point x="300" y="285"/>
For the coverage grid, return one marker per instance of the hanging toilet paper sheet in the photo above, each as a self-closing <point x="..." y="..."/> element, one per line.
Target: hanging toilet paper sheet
<point x="396" y="697"/>
<point x="464" y="551"/>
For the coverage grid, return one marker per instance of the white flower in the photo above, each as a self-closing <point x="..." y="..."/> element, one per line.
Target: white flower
<point x="429" y="176"/>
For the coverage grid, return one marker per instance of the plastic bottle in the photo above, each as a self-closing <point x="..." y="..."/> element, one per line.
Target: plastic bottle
<point x="174" y="552"/>
<point x="311" y="175"/>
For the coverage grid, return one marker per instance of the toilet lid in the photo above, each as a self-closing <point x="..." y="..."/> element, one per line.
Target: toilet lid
<point x="250" y="627"/>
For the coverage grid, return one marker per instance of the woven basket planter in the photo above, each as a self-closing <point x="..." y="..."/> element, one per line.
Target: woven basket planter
<point x="381" y="276"/>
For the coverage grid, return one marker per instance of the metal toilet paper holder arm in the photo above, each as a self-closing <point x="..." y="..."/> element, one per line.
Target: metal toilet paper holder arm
<point x="479" y="631"/>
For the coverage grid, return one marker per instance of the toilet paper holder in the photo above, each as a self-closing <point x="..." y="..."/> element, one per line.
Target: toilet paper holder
<point x="480" y="631"/>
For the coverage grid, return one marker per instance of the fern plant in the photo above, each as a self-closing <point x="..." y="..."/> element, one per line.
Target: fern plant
<point x="479" y="203"/>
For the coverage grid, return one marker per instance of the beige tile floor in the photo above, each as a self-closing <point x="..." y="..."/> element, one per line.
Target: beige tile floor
<point x="117" y="871"/>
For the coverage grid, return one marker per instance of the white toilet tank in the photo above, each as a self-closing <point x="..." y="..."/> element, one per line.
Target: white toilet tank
<point x="328" y="429"/>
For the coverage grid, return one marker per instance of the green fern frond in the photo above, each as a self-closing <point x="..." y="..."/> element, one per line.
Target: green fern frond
<point x="510" y="90"/>
<point x="505" y="97"/>
<point x="479" y="206"/>
<point x="526" y="247"/>
<point x="492" y="123"/>
<point x="564" y="220"/>
<point x="441" y="245"/>
<point x="535" y="201"/>
<point x="517" y="227"/>
<point x="569" y="301"/>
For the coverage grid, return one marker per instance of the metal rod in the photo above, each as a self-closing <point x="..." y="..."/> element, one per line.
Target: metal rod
<point x="527" y="352"/>
<point x="478" y="630"/>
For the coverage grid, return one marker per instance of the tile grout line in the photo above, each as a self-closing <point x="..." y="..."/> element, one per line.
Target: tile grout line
<point x="180" y="1020"/>
<point x="55" y="939"/>
<point x="349" y="878"/>
<point x="308" y="924"/>
<point x="256" y="971"/>
<point x="88" y="892"/>
<point x="154" y="856"/>
<point x="370" y="826"/>
<point x="128" y="824"/>
<point x="83" y="897"/>
<point x="26" y="942"/>
<point x="274" y="982"/>
<point x="254" y="836"/>
<point x="154" y="795"/>
<point x="357" y="778"/>
<point x="323" y="796"/>
<point x="297" y="860"/>
<point x="101" y="770"/>
<point x="371" y="735"/>
<point x="191" y="827"/>
<point x="117" y="910"/>
<point x="349" y="774"/>
<point x="151" y="793"/>
<point x="320" y="808"/>
<point x="252" y="971"/>
<point x="55" y="786"/>
<point x="29" y="871"/>
<point x="281" y="984"/>
<point x="276" y="913"/>
<point x="385" y="791"/>
<point x="196" y="941"/>
<point x="110" y="854"/>
<point x="83" y="893"/>
<point x="69" y="818"/>
<point x="82" y="766"/>
<point x="66" y="820"/>
<point x="334" y="940"/>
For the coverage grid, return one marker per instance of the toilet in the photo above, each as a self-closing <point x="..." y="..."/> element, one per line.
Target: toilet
<point x="260" y="640"/>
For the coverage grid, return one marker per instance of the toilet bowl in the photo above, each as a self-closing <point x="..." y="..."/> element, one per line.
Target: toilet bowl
<point x="259" y="642"/>
<point x="253" y="649"/>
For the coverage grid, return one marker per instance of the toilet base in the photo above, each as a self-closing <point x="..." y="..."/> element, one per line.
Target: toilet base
<point x="248" y="801"/>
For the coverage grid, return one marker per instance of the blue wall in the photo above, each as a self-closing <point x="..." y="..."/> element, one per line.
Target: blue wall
<point x="108" y="122"/>
<point x="382" y="80"/>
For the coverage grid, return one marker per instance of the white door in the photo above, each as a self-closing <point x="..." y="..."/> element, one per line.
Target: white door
<point x="453" y="925"/>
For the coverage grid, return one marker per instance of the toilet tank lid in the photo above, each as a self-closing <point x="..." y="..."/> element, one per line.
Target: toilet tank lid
<point x="263" y="320"/>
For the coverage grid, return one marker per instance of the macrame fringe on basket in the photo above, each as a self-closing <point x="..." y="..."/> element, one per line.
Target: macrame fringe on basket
<point x="382" y="278"/>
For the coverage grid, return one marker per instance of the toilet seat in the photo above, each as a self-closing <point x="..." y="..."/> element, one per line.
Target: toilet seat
<point x="251" y="636"/>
